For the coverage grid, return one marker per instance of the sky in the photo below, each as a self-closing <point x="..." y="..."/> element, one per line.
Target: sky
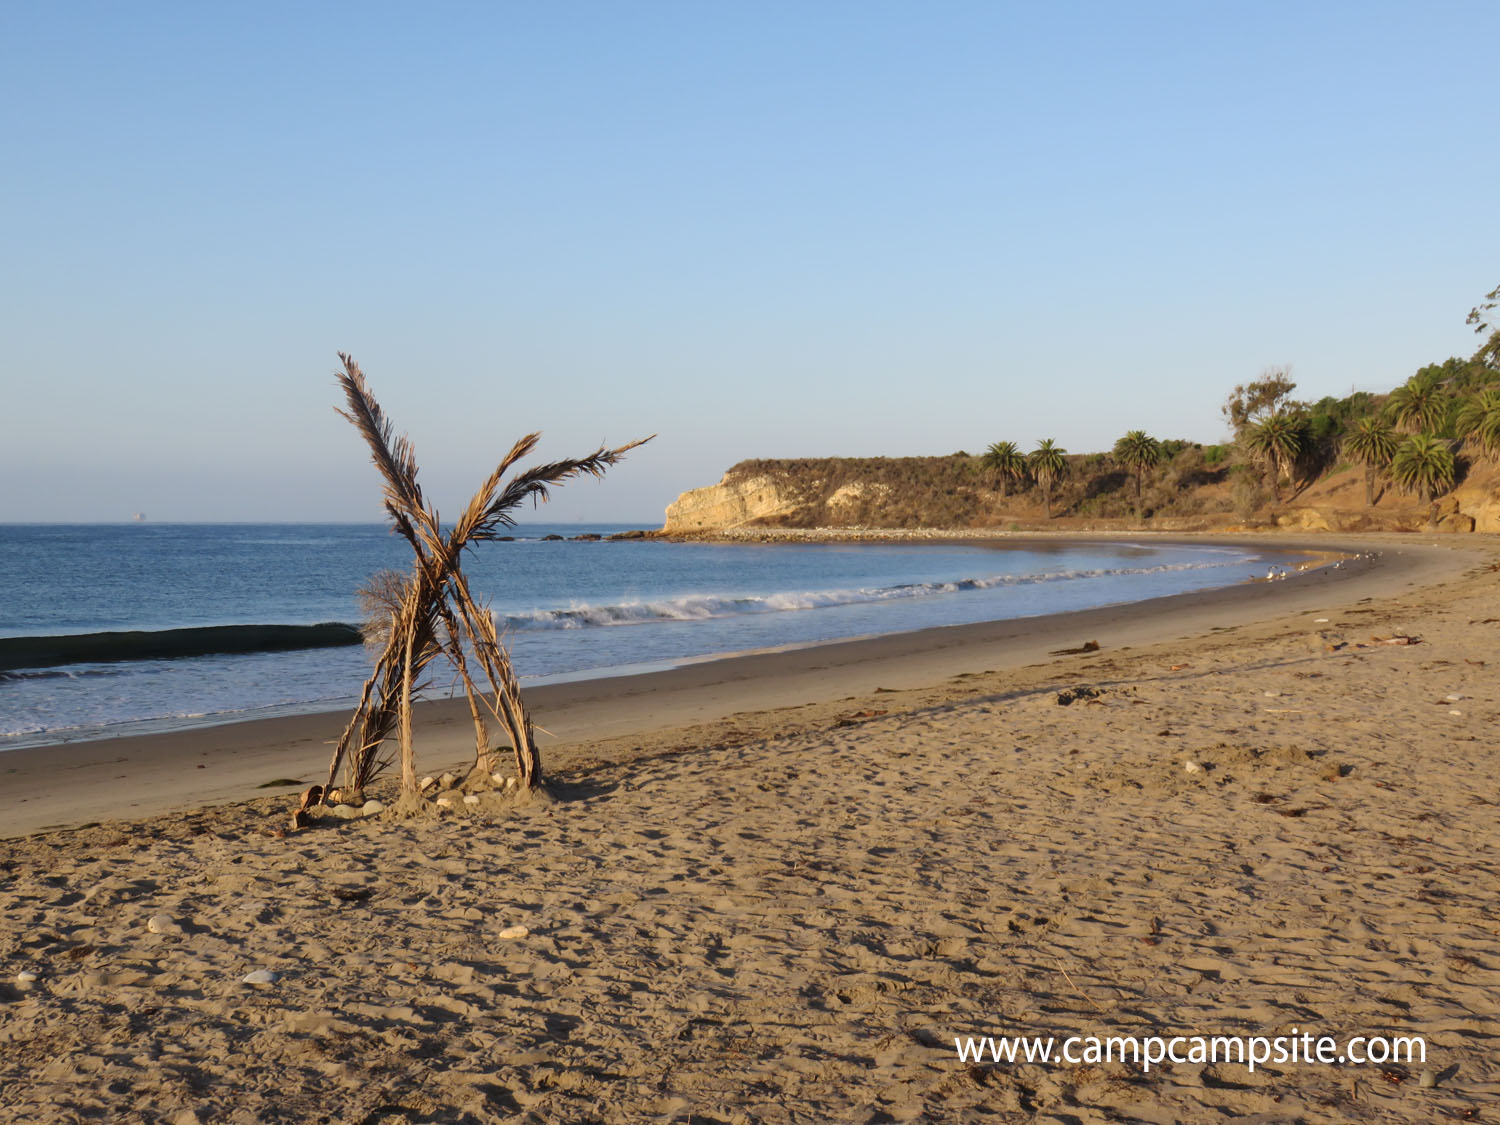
<point x="757" y="230"/>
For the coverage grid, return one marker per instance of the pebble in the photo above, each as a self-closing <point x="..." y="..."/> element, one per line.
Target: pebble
<point x="511" y="785"/>
<point x="444" y="802"/>
<point x="345" y="812"/>
<point x="1273" y="695"/>
<point x="1428" y="1080"/>
<point x="498" y="779"/>
<point x="259" y="977"/>
<point x="471" y="798"/>
<point x="1321" y="621"/>
<point x="447" y="781"/>
<point x="1452" y="698"/>
<point x="426" y="784"/>
<point x="25" y="978"/>
<point x="1455" y="712"/>
<point x="510" y="933"/>
<point x="1192" y="766"/>
<point x="371" y="807"/>
<point x="163" y="924"/>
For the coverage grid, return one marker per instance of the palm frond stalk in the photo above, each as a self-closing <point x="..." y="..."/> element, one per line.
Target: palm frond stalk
<point x="436" y="614"/>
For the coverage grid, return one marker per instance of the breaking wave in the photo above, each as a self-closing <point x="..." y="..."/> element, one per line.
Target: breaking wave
<point x="704" y="607"/>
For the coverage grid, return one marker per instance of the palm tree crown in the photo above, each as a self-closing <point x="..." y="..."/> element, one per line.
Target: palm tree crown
<point x="1478" y="419"/>
<point x="1420" y="404"/>
<point x="1006" y="461"/>
<point x="1423" y="464"/>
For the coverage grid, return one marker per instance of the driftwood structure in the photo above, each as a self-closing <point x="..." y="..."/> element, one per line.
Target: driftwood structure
<point x="432" y="611"/>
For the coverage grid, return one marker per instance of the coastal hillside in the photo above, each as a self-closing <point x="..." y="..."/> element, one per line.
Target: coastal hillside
<point x="1196" y="491"/>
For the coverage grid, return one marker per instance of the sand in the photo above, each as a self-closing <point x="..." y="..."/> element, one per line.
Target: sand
<point x="775" y="889"/>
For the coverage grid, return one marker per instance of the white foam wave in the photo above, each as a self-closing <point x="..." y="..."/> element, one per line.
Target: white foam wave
<point x="704" y="607"/>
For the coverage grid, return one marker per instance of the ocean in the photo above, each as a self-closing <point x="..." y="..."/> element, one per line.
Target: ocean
<point x="570" y="608"/>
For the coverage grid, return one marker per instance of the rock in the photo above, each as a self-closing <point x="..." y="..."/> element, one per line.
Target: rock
<point x="587" y="537"/>
<point x="426" y="784"/>
<point x="471" y="799"/>
<point x="1427" y="1080"/>
<point x="1452" y="698"/>
<point x="734" y="500"/>
<point x="498" y="779"/>
<point x="1455" y="713"/>
<point x="1272" y="694"/>
<point x="447" y="781"/>
<point x="259" y="978"/>
<point x="163" y="924"/>
<point x="26" y="978"/>
<point x="444" y="802"/>
<point x="552" y="538"/>
<point x="1192" y="766"/>
<point x="371" y="807"/>
<point x="345" y="812"/>
<point x="510" y="933"/>
<point x="1071" y="695"/>
<point x="511" y="785"/>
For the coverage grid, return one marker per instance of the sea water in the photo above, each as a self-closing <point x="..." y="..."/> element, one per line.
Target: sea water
<point x="569" y="608"/>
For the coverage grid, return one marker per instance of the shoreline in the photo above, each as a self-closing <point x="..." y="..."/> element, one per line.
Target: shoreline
<point x="207" y="637"/>
<point x="61" y="785"/>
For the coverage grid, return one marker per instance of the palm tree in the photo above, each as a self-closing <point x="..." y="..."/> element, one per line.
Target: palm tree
<point x="1006" y="462"/>
<point x="1139" y="452"/>
<point x="1478" y="418"/>
<point x="1277" y="440"/>
<point x="1372" y="443"/>
<point x="1048" y="464"/>
<point x="1420" y="404"/>
<point x="1423" y="464"/>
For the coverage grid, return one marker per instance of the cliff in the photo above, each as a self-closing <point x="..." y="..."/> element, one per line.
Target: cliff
<point x="734" y="502"/>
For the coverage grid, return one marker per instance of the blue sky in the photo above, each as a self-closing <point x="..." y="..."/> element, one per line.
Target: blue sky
<point x="759" y="230"/>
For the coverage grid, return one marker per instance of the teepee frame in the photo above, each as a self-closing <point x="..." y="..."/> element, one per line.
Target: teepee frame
<point x="436" y="614"/>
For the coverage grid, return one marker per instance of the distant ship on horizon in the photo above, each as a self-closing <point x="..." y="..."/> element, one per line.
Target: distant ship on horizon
<point x="138" y="517"/>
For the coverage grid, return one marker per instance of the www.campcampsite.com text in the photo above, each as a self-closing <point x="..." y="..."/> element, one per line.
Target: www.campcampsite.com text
<point x="1147" y="1051"/>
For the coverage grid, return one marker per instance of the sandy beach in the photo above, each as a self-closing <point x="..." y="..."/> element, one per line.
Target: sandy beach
<point x="776" y="888"/>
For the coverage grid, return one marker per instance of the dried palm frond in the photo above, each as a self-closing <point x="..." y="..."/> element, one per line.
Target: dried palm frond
<point x="380" y="600"/>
